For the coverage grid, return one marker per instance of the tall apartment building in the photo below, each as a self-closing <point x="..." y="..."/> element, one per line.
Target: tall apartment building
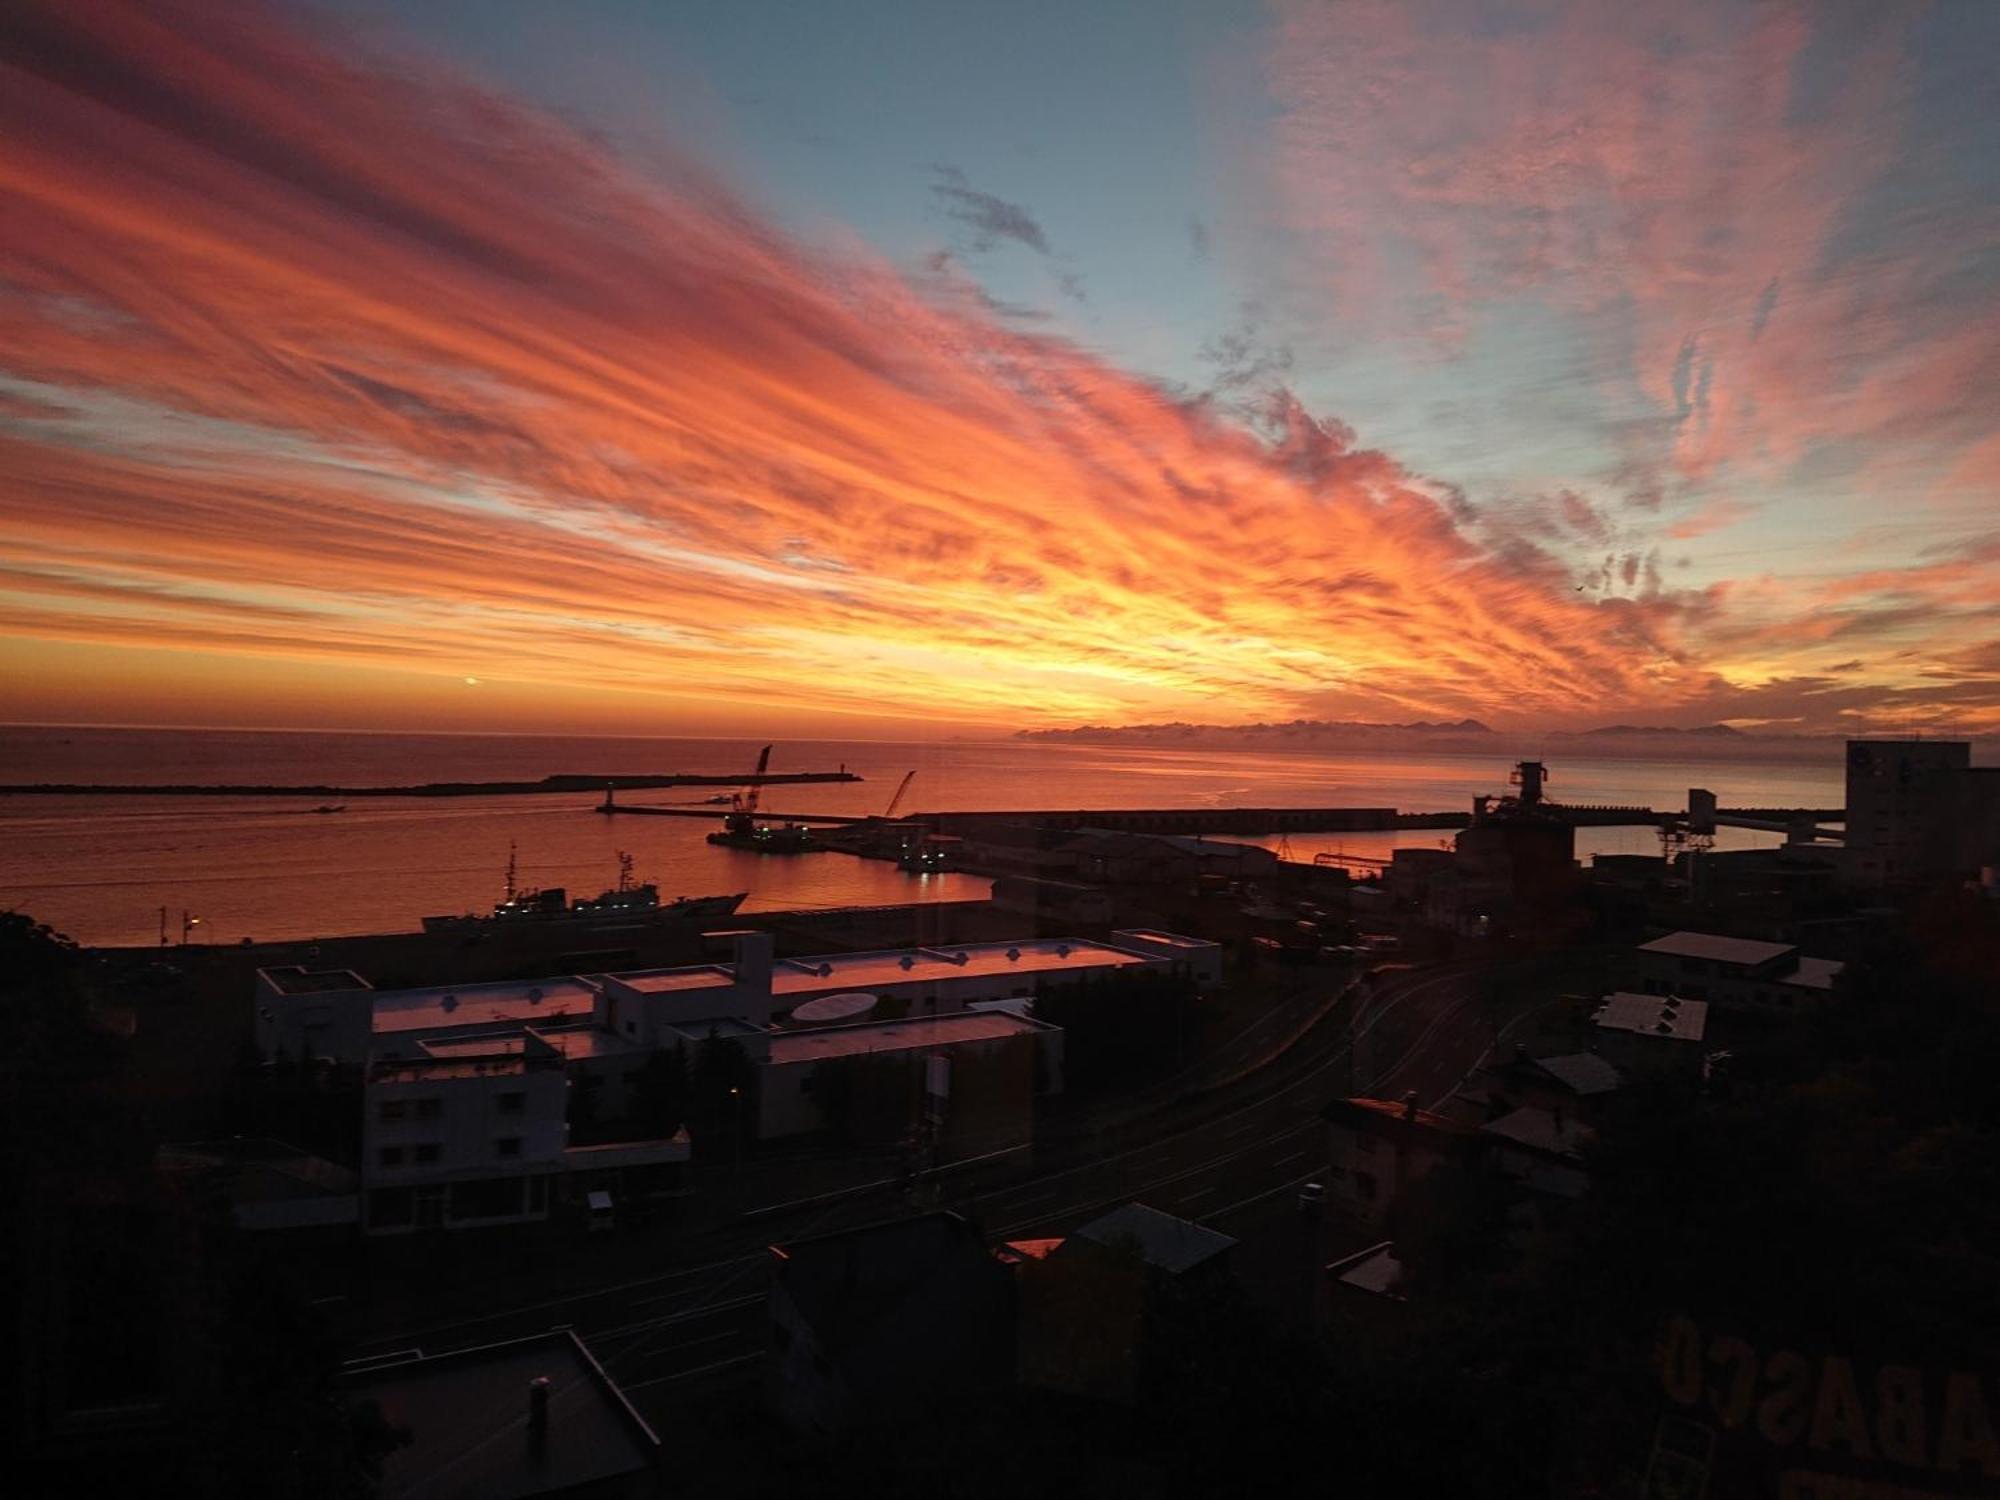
<point x="1919" y="810"/>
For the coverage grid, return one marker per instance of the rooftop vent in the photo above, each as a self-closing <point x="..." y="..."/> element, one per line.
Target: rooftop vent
<point x="907" y="961"/>
<point x="824" y="970"/>
<point x="1013" y="955"/>
<point x="448" y="1004"/>
<point x="535" y="995"/>
<point x="1665" y="1026"/>
<point x="1062" y="950"/>
<point x="538" y="1410"/>
<point x="958" y="958"/>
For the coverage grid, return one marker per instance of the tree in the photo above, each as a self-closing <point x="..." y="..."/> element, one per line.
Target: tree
<point x="722" y="1087"/>
<point x="660" y="1093"/>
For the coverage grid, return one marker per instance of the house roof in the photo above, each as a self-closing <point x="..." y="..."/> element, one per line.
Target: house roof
<point x="1653" y="1015"/>
<point x="848" y="1283"/>
<point x="1165" y="1242"/>
<point x="1815" y="973"/>
<point x="1541" y="1130"/>
<point x="1375" y="1270"/>
<point x="1388" y="1114"/>
<point x="1582" y="1073"/>
<point x="258" y="1169"/>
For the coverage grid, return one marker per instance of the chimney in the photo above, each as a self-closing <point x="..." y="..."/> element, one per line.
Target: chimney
<point x="1410" y="1105"/>
<point x="538" y="1412"/>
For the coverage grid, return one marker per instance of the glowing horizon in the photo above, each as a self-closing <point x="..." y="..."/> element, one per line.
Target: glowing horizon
<point x="353" y="391"/>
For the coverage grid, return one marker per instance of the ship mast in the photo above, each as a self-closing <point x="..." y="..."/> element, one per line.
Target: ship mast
<point x="510" y="869"/>
<point x="624" y="871"/>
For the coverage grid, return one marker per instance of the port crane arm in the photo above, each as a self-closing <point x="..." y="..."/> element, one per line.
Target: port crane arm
<point x="746" y="800"/>
<point x="897" y="800"/>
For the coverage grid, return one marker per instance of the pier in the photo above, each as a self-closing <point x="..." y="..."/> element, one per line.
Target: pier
<point x="566" y="782"/>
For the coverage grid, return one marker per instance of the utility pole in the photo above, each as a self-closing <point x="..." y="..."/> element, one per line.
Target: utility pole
<point x="736" y="1141"/>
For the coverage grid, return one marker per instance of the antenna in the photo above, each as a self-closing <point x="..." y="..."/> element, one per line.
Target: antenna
<point x="510" y="869"/>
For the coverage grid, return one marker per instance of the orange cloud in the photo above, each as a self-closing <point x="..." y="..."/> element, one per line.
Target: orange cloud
<point x="309" y="359"/>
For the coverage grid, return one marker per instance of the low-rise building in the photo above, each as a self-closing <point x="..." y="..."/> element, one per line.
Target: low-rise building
<point x="467" y="1087"/>
<point x="1540" y="1149"/>
<point x="476" y="1133"/>
<point x="1733" y="972"/>
<point x="1578" y="1082"/>
<point x="1378" y="1148"/>
<point x="1640" y="1031"/>
<point x="889" y="1324"/>
<point x="1166" y="1244"/>
<point x="268" y="1184"/>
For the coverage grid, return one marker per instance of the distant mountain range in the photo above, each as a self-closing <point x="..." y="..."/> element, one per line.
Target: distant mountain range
<point x="1295" y="732"/>
<point x="1713" y="741"/>
<point x="1722" y="731"/>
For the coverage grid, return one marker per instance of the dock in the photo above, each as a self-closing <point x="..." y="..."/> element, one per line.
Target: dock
<point x="565" y="782"/>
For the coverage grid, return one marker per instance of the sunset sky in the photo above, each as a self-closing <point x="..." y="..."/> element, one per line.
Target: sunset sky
<point x="868" y="367"/>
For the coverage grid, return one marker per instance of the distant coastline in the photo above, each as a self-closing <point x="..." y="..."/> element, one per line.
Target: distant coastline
<point x="1466" y="736"/>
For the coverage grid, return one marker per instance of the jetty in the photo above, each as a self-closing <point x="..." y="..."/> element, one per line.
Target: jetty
<point x="566" y="782"/>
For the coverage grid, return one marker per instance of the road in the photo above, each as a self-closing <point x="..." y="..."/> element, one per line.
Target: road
<point x="1217" y="1159"/>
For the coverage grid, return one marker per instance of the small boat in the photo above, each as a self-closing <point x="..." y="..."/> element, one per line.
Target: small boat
<point x="324" y="808"/>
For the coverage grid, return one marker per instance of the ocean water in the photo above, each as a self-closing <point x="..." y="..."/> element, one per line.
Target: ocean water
<point x="102" y="868"/>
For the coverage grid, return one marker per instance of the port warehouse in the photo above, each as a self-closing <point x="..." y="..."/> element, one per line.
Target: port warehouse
<point x="466" y="1088"/>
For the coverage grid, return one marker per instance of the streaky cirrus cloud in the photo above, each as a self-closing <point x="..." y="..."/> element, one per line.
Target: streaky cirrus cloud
<point x="314" y="355"/>
<point x="1747" y="227"/>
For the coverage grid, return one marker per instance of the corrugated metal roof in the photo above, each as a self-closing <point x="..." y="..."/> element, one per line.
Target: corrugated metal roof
<point x="1583" y="1073"/>
<point x="1716" y="948"/>
<point x="1173" y="1245"/>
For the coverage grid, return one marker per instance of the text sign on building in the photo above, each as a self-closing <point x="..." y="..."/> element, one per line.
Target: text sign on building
<point x="1795" y="1426"/>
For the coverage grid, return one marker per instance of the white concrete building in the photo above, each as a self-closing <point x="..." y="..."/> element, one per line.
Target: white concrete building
<point x="1733" y="972"/>
<point x="475" y="1131"/>
<point x="467" y="1086"/>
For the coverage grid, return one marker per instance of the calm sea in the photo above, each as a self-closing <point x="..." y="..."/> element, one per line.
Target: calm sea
<point x="102" y="868"/>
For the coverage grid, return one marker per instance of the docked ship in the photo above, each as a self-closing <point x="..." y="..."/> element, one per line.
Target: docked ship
<point x="631" y="903"/>
<point x="764" y="838"/>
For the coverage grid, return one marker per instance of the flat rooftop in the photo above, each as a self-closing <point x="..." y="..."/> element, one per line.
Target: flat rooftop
<point x="1653" y="1015"/>
<point x="1815" y="973"/>
<point x="490" y="1062"/>
<point x="702" y="1026"/>
<point x="897" y="1036"/>
<point x="296" y="979"/>
<point x="589" y="1041"/>
<point x="1172" y="1244"/>
<point x="1723" y="950"/>
<point x="533" y="1000"/>
<point x="862" y="971"/>
<point x="1168" y="939"/>
<point x="677" y="981"/>
<point x="467" y="1416"/>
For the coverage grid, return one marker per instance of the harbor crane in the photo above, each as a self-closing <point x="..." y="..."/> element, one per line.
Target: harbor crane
<point x="897" y="800"/>
<point x="747" y="799"/>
